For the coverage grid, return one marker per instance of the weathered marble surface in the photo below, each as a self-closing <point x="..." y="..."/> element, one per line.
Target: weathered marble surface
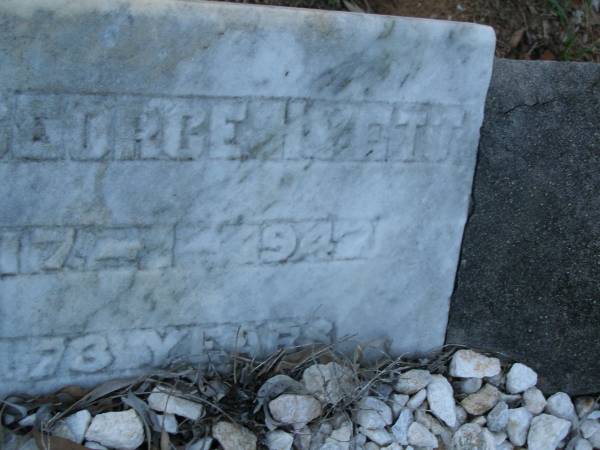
<point x="181" y="178"/>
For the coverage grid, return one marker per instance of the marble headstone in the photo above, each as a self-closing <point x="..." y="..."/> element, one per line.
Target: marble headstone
<point x="180" y="179"/>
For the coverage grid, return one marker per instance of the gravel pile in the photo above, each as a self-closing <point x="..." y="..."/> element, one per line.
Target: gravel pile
<point x="462" y="400"/>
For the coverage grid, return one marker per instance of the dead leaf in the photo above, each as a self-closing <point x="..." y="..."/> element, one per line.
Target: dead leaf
<point x="353" y="7"/>
<point x="47" y="442"/>
<point x="165" y="441"/>
<point x="548" y="56"/>
<point x="517" y="37"/>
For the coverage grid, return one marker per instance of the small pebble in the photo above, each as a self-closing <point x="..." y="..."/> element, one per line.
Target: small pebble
<point x="173" y="402"/>
<point x="469" y="385"/>
<point x="517" y="428"/>
<point x="330" y="383"/>
<point x="584" y="406"/>
<point x="534" y="399"/>
<point x="233" y="437"/>
<point x="520" y="378"/>
<point x="546" y="432"/>
<point x="372" y="413"/>
<point x="417" y="399"/>
<point x="122" y="430"/>
<point x="482" y="401"/>
<point x="497" y="419"/>
<point x="412" y="381"/>
<point x="470" y="364"/>
<point x="74" y="426"/>
<point x="560" y="405"/>
<point x="398" y="402"/>
<point x="94" y="446"/>
<point x="578" y="443"/>
<point x="419" y="436"/>
<point x="379" y="436"/>
<point x="473" y="437"/>
<point x="296" y="410"/>
<point x="440" y="397"/>
<point x="204" y="443"/>
<point x="400" y="428"/>
<point x="279" y="440"/>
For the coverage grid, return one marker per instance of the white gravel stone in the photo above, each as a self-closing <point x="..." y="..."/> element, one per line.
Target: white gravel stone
<point x="480" y="420"/>
<point x="392" y="446"/>
<point x="593" y="415"/>
<point x="419" y="436"/>
<point x="506" y="445"/>
<point x="380" y="436"/>
<point x="172" y="402"/>
<point x="400" y="428"/>
<point x="279" y="440"/>
<point x="417" y="400"/>
<point x="166" y="421"/>
<point x="74" y="426"/>
<point x="372" y="413"/>
<point x="469" y="385"/>
<point x="534" y="401"/>
<point x="497" y="380"/>
<point x="440" y="397"/>
<point x="94" y="446"/>
<point x="461" y="416"/>
<point x="234" y="437"/>
<point x="472" y="437"/>
<point x="482" y="401"/>
<point x="122" y="430"/>
<point x="510" y="399"/>
<point x="595" y="439"/>
<point x="204" y="443"/>
<point x="578" y="443"/>
<point x="330" y="382"/>
<point x="412" y="381"/>
<point x="372" y="446"/>
<point x="294" y="409"/>
<point x="497" y="419"/>
<point x="520" y="378"/>
<point x="398" y="402"/>
<point x="584" y="406"/>
<point x="470" y="364"/>
<point x="588" y="427"/>
<point x="499" y="437"/>
<point x="519" y="420"/>
<point x="546" y="432"/>
<point x="560" y="405"/>
<point x="340" y="437"/>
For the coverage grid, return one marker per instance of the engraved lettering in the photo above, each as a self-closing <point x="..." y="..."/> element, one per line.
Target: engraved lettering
<point x="96" y="136"/>
<point x="188" y="141"/>
<point x="226" y="119"/>
<point x="39" y="126"/>
<point x="278" y="242"/>
<point x="372" y="133"/>
<point x="95" y="127"/>
<point x="89" y="354"/>
<point x="149" y="138"/>
<point x="314" y="241"/>
<point x="406" y="130"/>
<point x="46" y="249"/>
<point x="162" y="344"/>
<point x="441" y="135"/>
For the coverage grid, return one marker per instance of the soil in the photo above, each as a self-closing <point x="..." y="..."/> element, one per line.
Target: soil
<point x="567" y="30"/>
